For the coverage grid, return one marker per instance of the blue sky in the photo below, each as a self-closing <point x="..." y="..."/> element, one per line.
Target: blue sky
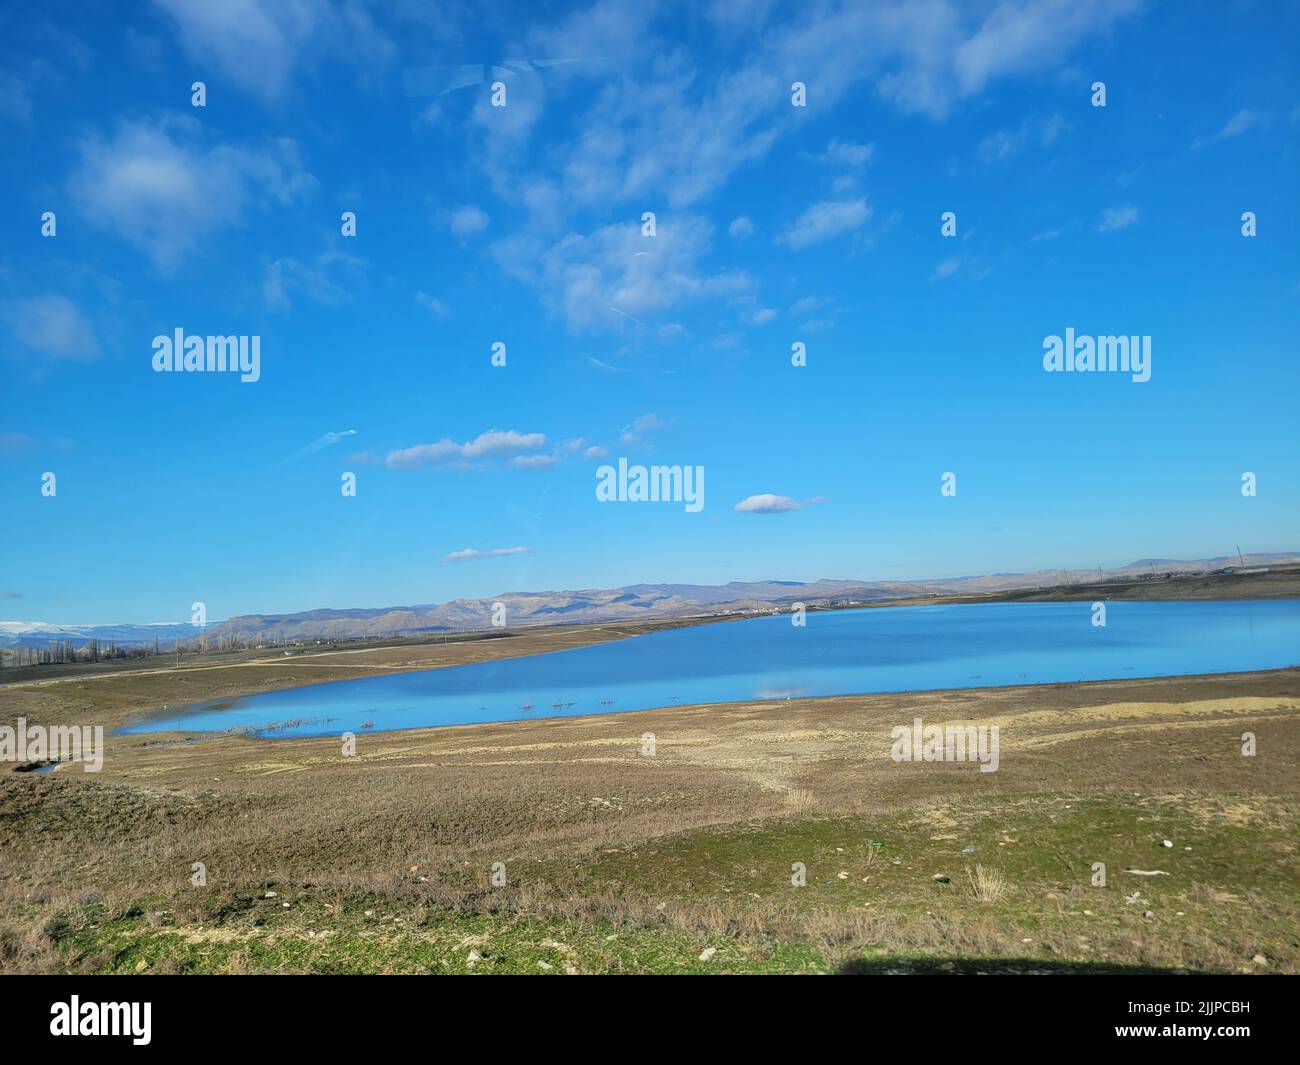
<point x="522" y="224"/>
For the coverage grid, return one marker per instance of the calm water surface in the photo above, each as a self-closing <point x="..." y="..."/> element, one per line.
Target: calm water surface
<point x="837" y="653"/>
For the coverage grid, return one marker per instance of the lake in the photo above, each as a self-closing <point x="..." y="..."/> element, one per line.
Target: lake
<point x="838" y="653"/>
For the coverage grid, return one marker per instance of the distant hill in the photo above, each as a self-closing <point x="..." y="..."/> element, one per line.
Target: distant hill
<point x="636" y="601"/>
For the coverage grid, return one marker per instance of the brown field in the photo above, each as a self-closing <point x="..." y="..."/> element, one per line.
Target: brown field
<point x="383" y="861"/>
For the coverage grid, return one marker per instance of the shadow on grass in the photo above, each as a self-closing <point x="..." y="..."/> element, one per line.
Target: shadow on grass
<point x="999" y="966"/>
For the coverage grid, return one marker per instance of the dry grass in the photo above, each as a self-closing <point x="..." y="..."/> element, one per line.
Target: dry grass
<point x="557" y="799"/>
<point x="800" y="801"/>
<point x="988" y="885"/>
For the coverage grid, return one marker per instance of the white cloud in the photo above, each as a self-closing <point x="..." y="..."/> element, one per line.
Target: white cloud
<point x="1005" y="144"/>
<point x="495" y="443"/>
<point x="640" y="428"/>
<point x="600" y="280"/>
<point x="497" y="552"/>
<point x="1241" y="122"/>
<point x="565" y="449"/>
<point x="847" y="153"/>
<point x="945" y="269"/>
<point x="1018" y="38"/>
<point x="164" y="192"/>
<point x="265" y="46"/>
<point x="658" y="123"/>
<point x="767" y="503"/>
<point x="313" y="280"/>
<point x="825" y="220"/>
<point x="534" y="462"/>
<point x="741" y="227"/>
<point x="439" y="309"/>
<point x="53" y="325"/>
<point x="1113" y="218"/>
<point x="466" y="221"/>
<point x="807" y="305"/>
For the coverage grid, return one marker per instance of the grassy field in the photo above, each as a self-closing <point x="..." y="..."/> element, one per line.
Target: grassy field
<point x="560" y="846"/>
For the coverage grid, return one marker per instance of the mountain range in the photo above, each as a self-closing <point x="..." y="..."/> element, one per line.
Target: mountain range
<point x="633" y="602"/>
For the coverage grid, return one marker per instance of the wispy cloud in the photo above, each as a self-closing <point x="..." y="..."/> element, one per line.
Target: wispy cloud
<point x="1240" y="123"/>
<point x="640" y="429"/>
<point x="741" y="227"/>
<point x="719" y="118"/>
<point x="492" y="444"/>
<point x="323" y="441"/>
<point x="825" y="220"/>
<point x="435" y="305"/>
<point x="329" y="279"/>
<point x="1113" y="218"/>
<point x="471" y="553"/>
<point x="466" y="221"/>
<point x="945" y="269"/>
<point x="163" y="190"/>
<point x="265" y="48"/>
<point x="601" y="280"/>
<point x="847" y="154"/>
<point x="52" y="325"/>
<point x="1004" y="145"/>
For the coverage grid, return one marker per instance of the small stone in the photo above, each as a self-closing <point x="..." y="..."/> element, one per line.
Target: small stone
<point x="842" y="875"/>
<point x="707" y="953"/>
<point x="270" y="895"/>
<point x="1166" y="843"/>
<point x="940" y="878"/>
<point x="473" y="958"/>
<point x="1259" y="959"/>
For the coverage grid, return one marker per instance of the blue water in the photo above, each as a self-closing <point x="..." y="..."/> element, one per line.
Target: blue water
<point x="837" y="653"/>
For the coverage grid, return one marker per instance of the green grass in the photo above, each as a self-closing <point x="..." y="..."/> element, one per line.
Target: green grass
<point x="1041" y="843"/>
<point x="657" y="907"/>
<point x="315" y="939"/>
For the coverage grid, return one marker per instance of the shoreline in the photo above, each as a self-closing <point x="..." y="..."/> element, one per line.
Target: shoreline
<point x="123" y="697"/>
<point x="200" y="736"/>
